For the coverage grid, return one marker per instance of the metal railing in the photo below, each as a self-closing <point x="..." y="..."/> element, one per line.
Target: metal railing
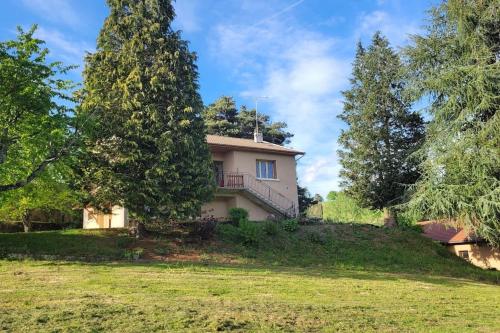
<point x="245" y="181"/>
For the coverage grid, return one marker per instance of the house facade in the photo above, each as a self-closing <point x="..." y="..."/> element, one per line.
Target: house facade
<point x="252" y="174"/>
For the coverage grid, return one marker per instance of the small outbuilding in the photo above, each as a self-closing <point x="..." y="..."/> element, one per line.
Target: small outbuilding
<point x="463" y="244"/>
<point x="118" y="218"/>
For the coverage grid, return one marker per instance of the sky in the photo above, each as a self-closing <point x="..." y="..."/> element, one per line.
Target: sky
<point x="296" y="52"/>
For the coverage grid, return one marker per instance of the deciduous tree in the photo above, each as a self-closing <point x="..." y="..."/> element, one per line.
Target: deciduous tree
<point x="36" y="126"/>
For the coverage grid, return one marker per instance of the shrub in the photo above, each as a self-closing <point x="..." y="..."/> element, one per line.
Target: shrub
<point x="316" y="237"/>
<point x="271" y="228"/>
<point x="228" y="232"/>
<point x="247" y="232"/>
<point x="250" y="232"/>
<point x="290" y="225"/>
<point x="134" y="254"/>
<point x="237" y="215"/>
<point x="204" y="229"/>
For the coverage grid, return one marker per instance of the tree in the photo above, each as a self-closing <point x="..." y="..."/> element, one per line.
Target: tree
<point x="35" y="124"/>
<point x="50" y="191"/>
<point x="382" y="132"/>
<point x="146" y="146"/>
<point x="223" y="118"/>
<point x="318" y="198"/>
<point x="456" y="66"/>
<point x="304" y="197"/>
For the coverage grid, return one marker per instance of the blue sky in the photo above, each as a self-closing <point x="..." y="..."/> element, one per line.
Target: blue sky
<point x="297" y="52"/>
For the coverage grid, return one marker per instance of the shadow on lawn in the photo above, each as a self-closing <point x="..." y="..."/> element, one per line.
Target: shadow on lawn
<point x="344" y="251"/>
<point x="256" y="271"/>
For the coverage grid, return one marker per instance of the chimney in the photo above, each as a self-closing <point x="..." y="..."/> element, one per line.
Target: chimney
<point x="257" y="136"/>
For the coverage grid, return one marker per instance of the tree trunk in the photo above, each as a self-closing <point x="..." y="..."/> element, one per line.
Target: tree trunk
<point x="26" y="222"/>
<point x="389" y="218"/>
<point x="140" y="230"/>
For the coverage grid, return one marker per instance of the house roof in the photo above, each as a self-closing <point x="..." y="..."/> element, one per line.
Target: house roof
<point x="222" y="143"/>
<point x="444" y="233"/>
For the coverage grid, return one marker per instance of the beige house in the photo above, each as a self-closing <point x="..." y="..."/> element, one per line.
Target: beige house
<point x="252" y="174"/>
<point x="463" y="244"/>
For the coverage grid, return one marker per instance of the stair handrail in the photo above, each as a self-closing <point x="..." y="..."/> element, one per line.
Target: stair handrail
<point x="260" y="189"/>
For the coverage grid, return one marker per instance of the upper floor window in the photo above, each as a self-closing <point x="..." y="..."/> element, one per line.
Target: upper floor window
<point x="266" y="169"/>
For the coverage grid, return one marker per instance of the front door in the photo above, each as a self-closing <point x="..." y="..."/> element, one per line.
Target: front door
<point x="219" y="173"/>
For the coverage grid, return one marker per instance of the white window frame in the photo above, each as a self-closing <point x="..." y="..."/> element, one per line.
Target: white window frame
<point x="266" y="163"/>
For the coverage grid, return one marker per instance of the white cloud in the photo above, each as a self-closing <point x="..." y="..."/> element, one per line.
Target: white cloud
<point x="62" y="48"/>
<point x="395" y="29"/>
<point x="55" y="10"/>
<point x="302" y="73"/>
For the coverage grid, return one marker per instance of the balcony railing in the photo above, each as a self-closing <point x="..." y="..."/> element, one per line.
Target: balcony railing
<point x="245" y="181"/>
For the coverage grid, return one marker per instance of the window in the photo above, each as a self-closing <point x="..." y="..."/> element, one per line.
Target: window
<point x="464" y="254"/>
<point x="266" y="169"/>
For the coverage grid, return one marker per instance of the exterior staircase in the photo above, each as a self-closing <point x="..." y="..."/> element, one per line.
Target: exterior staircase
<point x="258" y="192"/>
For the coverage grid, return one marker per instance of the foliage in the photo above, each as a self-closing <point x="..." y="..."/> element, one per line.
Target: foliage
<point x="304" y="197"/>
<point x="271" y="228"/>
<point x="382" y="131"/>
<point x="237" y="215"/>
<point x="455" y="66"/>
<point x="35" y="122"/>
<point x="146" y="148"/>
<point x="246" y="233"/>
<point x="250" y="232"/>
<point x="204" y="229"/>
<point x="49" y="191"/>
<point x="290" y="225"/>
<point x="133" y="254"/>
<point x="318" y="198"/>
<point x="223" y="118"/>
<point x="340" y="207"/>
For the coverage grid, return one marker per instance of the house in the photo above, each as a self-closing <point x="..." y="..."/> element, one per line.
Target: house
<point x="463" y="244"/>
<point x="256" y="175"/>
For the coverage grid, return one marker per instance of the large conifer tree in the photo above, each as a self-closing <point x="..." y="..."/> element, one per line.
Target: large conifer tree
<point x="146" y="146"/>
<point x="382" y="131"/>
<point x="456" y="64"/>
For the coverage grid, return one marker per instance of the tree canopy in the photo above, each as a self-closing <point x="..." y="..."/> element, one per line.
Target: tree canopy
<point x="146" y="146"/>
<point x="382" y="131"/>
<point x="455" y="65"/>
<point x="223" y="118"/>
<point x="36" y="124"/>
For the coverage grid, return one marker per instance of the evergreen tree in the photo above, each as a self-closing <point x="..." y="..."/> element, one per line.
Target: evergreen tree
<point x="456" y="64"/>
<point x="146" y="148"/>
<point x="304" y="197"/>
<point x="223" y="118"/>
<point x="382" y="131"/>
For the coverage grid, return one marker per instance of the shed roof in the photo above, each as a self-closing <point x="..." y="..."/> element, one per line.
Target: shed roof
<point x="444" y="233"/>
<point x="217" y="142"/>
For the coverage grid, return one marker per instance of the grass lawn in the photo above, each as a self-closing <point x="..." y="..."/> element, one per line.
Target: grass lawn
<point x="288" y="282"/>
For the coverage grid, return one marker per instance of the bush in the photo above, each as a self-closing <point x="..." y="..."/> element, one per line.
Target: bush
<point x="316" y="237"/>
<point x="290" y="225"/>
<point x="134" y="254"/>
<point x="237" y="215"/>
<point x="247" y="232"/>
<point x="271" y="228"/>
<point x="250" y="232"/>
<point x="204" y="229"/>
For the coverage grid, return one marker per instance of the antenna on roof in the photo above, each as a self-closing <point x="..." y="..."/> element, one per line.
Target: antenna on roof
<point x="257" y="136"/>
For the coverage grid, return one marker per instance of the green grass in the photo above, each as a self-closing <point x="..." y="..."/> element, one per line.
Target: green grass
<point x="341" y="208"/>
<point x="328" y="278"/>
<point x="80" y="244"/>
